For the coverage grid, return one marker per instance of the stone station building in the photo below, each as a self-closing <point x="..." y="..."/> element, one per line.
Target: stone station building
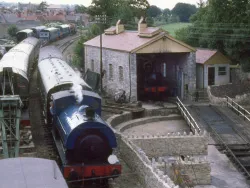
<point x="127" y="57"/>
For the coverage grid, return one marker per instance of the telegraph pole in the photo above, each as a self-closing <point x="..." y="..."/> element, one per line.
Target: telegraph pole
<point x="101" y="19"/>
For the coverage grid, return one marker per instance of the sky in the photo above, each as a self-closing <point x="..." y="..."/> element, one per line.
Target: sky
<point x="160" y="3"/>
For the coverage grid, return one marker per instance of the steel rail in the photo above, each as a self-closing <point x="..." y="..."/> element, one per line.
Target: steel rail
<point x="230" y="152"/>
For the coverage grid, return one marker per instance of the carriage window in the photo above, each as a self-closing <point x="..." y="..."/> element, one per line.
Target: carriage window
<point x="92" y="65"/>
<point x="110" y="71"/>
<point x="121" y="74"/>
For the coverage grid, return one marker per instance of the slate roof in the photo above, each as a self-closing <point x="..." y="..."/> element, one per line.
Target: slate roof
<point x="129" y="41"/>
<point x="125" y="41"/>
<point x="203" y="55"/>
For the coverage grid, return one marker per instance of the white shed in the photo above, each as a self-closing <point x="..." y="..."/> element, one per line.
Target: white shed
<point x="212" y="68"/>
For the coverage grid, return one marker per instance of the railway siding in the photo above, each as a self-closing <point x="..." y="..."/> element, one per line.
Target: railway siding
<point x="227" y="135"/>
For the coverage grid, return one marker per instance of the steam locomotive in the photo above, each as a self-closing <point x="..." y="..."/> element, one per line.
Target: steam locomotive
<point x="84" y="141"/>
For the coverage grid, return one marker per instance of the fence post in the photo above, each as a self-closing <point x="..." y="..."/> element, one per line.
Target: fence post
<point x="227" y="101"/>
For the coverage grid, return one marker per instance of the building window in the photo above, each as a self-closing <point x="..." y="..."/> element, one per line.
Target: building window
<point x="222" y="71"/>
<point x="110" y="71"/>
<point x="92" y="65"/>
<point x="121" y="74"/>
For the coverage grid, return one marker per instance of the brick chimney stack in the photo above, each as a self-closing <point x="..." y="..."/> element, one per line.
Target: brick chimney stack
<point x="119" y="27"/>
<point x="142" y="25"/>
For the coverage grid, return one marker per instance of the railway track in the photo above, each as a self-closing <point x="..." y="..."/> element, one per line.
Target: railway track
<point x="117" y="108"/>
<point x="67" y="43"/>
<point x="228" y="137"/>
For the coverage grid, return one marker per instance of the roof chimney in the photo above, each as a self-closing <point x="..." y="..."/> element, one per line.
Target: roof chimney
<point x="142" y="25"/>
<point x="119" y="27"/>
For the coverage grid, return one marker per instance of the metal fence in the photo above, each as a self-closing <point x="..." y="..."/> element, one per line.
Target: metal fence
<point x="238" y="108"/>
<point x="187" y="116"/>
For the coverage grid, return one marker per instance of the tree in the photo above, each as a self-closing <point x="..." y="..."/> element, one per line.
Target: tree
<point x="12" y="30"/>
<point x="80" y="9"/>
<point x="150" y="21"/>
<point x="42" y="6"/>
<point x="184" y="11"/>
<point x="153" y="11"/>
<point x="166" y="12"/>
<point x="222" y="25"/>
<point x="111" y="7"/>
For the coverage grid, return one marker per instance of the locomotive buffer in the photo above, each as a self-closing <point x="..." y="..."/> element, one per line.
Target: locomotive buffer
<point x="10" y="114"/>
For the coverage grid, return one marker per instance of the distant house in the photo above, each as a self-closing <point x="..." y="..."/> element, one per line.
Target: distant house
<point x="212" y="68"/>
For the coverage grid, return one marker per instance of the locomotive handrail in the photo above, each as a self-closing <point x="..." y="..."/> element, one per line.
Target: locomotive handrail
<point x="230" y="102"/>
<point x="190" y="120"/>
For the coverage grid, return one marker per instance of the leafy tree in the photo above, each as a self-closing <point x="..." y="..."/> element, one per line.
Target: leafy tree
<point x="42" y="6"/>
<point x="92" y="32"/>
<point x="12" y="30"/>
<point x="184" y="11"/>
<point x="80" y="9"/>
<point x="150" y="21"/>
<point x="154" y="11"/>
<point x="166" y="12"/>
<point x="222" y="25"/>
<point x="111" y="7"/>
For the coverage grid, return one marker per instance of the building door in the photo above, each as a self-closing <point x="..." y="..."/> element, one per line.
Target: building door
<point x="211" y="76"/>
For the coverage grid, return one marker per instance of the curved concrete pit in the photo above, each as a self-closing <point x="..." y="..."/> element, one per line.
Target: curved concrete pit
<point x="158" y="125"/>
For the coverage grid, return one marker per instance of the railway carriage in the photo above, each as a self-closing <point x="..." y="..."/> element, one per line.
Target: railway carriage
<point x="64" y="30"/>
<point x="23" y="34"/>
<point x="37" y="30"/>
<point x="50" y="34"/>
<point x="16" y="66"/>
<point x="84" y="141"/>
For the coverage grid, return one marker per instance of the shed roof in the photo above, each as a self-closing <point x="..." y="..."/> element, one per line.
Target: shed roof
<point x="30" y="173"/>
<point x="203" y="55"/>
<point x="129" y="41"/>
<point x="207" y="56"/>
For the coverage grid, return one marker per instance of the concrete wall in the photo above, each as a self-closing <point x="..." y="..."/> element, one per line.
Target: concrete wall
<point x="219" y="79"/>
<point x="172" y="145"/>
<point x="116" y="59"/>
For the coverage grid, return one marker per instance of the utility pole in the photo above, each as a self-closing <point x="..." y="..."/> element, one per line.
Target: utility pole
<point x="101" y="19"/>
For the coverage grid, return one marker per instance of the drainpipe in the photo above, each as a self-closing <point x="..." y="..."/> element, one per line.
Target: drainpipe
<point x="129" y="62"/>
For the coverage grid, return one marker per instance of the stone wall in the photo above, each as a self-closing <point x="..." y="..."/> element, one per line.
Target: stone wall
<point x="240" y="99"/>
<point x="141" y="165"/>
<point x="172" y="144"/>
<point x="123" y="65"/>
<point x="195" y="169"/>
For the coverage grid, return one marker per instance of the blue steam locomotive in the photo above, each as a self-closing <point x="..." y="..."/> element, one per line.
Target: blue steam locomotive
<point x="84" y="141"/>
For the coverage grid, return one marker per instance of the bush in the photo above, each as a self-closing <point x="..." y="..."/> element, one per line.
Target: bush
<point x="12" y="30"/>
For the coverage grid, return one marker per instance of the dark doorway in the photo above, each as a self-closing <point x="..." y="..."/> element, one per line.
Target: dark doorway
<point x="211" y="75"/>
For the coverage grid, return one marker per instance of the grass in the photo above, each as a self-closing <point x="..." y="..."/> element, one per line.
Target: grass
<point x="171" y="28"/>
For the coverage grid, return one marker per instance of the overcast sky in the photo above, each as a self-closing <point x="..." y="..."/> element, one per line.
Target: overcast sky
<point x="160" y="3"/>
